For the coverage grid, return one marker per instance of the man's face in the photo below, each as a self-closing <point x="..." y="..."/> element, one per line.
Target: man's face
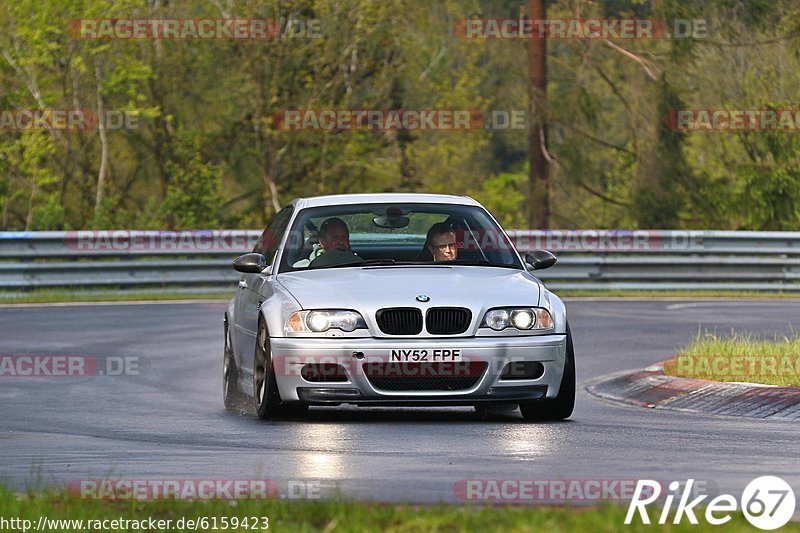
<point x="443" y="247"/>
<point x="336" y="237"/>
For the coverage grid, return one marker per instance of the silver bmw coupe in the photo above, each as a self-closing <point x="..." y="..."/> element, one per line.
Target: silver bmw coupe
<point x="394" y="299"/>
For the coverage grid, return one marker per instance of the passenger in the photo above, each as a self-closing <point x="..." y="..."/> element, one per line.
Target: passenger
<point x="441" y="242"/>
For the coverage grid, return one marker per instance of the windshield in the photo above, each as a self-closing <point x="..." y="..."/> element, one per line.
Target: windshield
<point x="395" y="234"/>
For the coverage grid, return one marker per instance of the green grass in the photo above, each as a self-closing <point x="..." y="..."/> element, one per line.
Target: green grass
<point x="609" y="293"/>
<point x="58" y="296"/>
<point x="338" y="515"/>
<point x="85" y="295"/>
<point x="738" y="357"/>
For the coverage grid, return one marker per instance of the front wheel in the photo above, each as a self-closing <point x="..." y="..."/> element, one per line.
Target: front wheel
<point x="561" y="406"/>
<point x="231" y="395"/>
<point x="268" y="404"/>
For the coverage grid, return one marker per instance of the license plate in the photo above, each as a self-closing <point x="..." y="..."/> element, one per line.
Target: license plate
<point x="419" y="355"/>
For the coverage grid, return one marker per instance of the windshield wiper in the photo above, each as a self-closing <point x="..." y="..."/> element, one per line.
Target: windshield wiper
<point x="370" y="262"/>
<point x="479" y="262"/>
<point x="388" y="261"/>
<point x="365" y="262"/>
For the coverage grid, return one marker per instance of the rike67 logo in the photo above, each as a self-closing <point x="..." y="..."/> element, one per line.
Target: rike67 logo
<point x="767" y="502"/>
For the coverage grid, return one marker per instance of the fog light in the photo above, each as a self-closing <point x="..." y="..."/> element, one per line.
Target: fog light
<point x="522" y="370"/>
<point x="323" y="372"/>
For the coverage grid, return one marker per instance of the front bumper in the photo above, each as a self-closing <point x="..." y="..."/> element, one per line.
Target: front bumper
<point x="290" y="355"/>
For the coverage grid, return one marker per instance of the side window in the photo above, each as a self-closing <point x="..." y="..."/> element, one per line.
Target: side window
<point x="271" y="238"/>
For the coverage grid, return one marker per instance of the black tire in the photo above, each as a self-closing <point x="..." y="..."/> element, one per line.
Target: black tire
<point x="561" y="406"/>
<point x="234" y="399"/>
<point x="266" y="398"/>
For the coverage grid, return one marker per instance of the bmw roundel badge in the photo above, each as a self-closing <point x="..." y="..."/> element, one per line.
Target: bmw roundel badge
<point x="423" y="298"/>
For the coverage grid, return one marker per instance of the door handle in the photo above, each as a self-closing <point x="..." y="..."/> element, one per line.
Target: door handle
<point x="243" y="284"/>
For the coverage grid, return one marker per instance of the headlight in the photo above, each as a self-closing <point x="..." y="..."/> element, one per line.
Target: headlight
<point x="497" y="319"/>
<point x="521" y="318"/>
<point x="322" y="320"/>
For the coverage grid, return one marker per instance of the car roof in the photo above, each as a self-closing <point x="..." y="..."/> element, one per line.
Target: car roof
<point x="373" y="198"/>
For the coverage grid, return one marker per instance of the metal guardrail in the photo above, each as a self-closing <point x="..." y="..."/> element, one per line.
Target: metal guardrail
<point x="588" y="259"/>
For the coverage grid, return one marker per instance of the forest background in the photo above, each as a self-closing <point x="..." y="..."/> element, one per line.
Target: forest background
<point x="206" y="152"/>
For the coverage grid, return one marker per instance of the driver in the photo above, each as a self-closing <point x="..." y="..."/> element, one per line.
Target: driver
<point x="334" y="235"/>
<point x="334" y="241"/>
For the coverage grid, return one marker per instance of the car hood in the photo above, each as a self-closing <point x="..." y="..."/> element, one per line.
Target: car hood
<point x="367" y="289"/>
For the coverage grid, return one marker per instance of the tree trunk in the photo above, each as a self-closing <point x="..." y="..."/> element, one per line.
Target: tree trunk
<point x="101" y="127"/>
<point x="263" y="145"/>
<point x="32" y="198"/>
<point x="539" y="172"/>
<point x="6" y="207"/>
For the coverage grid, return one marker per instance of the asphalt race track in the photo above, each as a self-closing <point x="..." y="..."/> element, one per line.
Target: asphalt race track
<point x="167" y="421"/>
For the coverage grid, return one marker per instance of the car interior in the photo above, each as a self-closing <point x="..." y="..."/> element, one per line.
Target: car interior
<point x="386" y="233"/>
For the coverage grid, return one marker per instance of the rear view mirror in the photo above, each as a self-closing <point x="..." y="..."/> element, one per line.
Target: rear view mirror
<point x="250" y="263"/>
<point x="540" y="259"/>
<point x="393" y="219"/>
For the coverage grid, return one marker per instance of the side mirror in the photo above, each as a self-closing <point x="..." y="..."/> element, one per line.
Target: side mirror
<point x="250" y="263"/>
<point x="540" y="259"/>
